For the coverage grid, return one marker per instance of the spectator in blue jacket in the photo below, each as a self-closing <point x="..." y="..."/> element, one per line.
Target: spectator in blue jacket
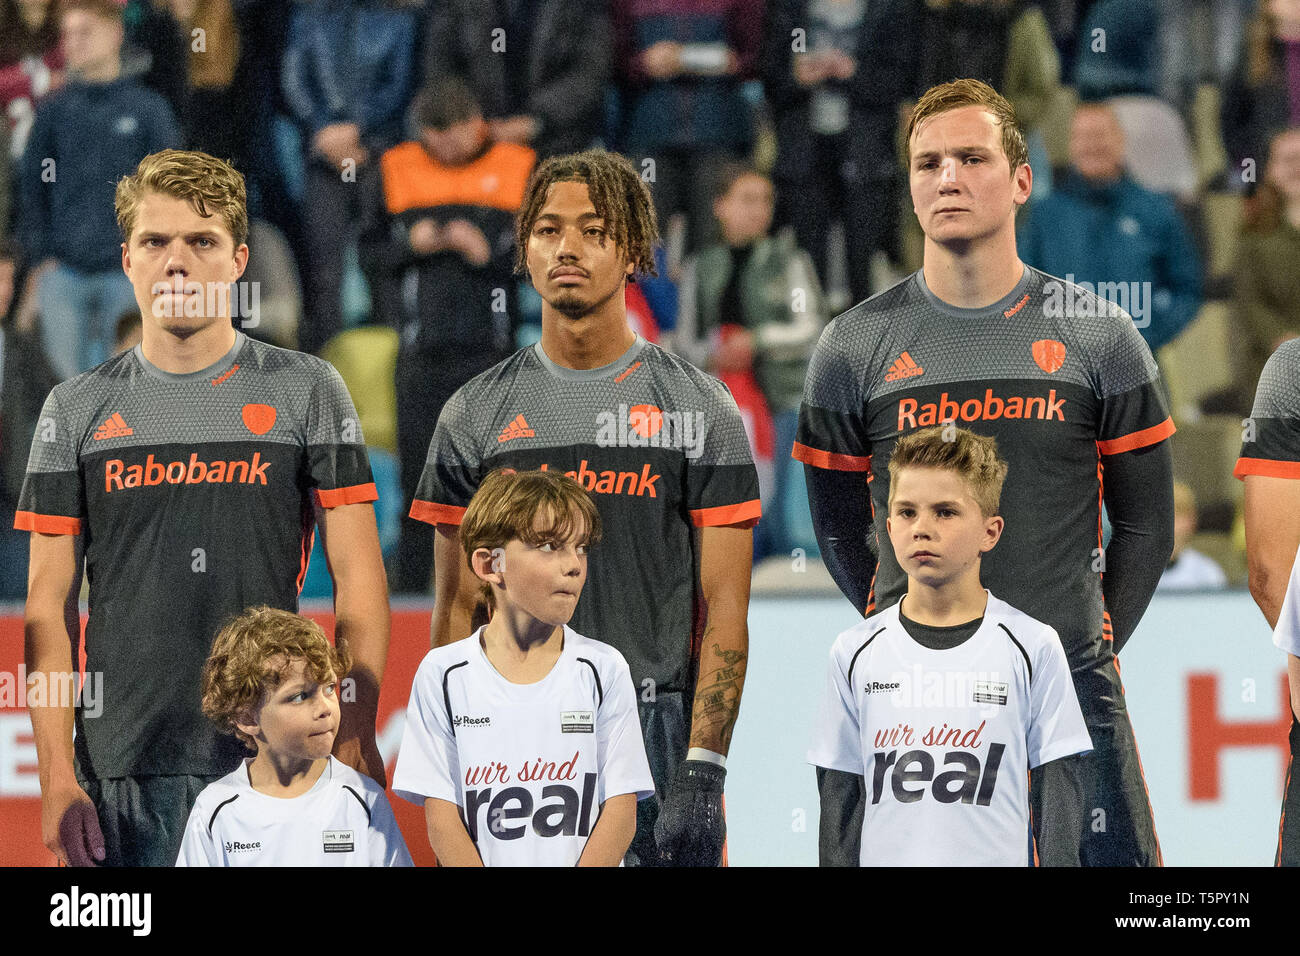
<point x="1099" y="226"/>
<point x="682" y="65"/>
<point x="349" y="74"/>
<point x="86" y="137"/>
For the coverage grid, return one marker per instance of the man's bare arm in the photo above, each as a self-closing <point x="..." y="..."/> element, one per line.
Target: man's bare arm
<point x="52" y="631"/>
<point x="455" y="589"/>
<point x="1272" y="512"/>
<point x="726" y="559"/>
<point x="361" y="624"/>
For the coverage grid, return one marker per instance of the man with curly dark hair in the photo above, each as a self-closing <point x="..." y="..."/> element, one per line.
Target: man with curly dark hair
<point x="661" y="447"/>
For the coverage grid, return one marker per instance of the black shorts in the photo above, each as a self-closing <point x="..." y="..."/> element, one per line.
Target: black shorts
<point x="1118" y="826"/>
<point x="143" y="818"/>
<point x="1288" y="827"/>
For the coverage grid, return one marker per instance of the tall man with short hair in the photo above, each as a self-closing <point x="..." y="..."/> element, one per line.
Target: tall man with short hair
<point x="662" y="448"/>
<point x="190" y="471"/>
<point x="1068" y="388"/>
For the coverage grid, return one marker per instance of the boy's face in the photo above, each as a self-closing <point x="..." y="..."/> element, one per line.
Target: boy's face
<point x="543" y="580"/>
<point x="936" y="527"/>
<point x="181" y="265"/>
<point x="963" y="189"/>
<point x="746" y="209"/>
<point x="299" y="718"/>
<point x="574" y="264"/>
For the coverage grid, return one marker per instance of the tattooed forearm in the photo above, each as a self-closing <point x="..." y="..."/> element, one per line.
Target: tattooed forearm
<point x="717" y="694"/>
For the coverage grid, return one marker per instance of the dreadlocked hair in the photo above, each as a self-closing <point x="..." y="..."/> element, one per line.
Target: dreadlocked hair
<point x="618" y="194"/>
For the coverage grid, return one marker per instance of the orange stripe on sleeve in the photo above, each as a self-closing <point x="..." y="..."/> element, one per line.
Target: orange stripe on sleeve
<point x="825" y="459"/>
<point x="747" y="513"/>
<point x="1266" y="468"/>
<point x="46" y="524"/>
<point x="435" y="514"/>
<point x="1139" y="439"/>
<point x="351" y="495"/>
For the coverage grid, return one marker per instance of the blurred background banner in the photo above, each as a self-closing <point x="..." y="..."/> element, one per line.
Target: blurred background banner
<point x="1205" y="687"/>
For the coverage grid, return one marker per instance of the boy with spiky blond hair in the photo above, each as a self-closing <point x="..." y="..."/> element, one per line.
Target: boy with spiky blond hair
<point x="938" y="706"/>
<point x="272" y="679"/>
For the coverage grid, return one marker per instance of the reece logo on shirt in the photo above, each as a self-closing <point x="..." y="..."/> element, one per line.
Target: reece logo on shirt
<point x="460" y="720"/>
<point x="234" y="846"/>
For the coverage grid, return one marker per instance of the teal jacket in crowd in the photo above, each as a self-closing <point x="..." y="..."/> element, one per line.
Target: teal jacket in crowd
<point x="1118" y="232"/>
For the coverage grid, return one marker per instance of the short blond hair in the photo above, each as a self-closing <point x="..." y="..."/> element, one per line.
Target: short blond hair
<point x="205" y="182"/>
<point x="973" y="457"/>
<point x="966" y="92"/>
<point x="506" y="506"/>
<point x="251" y="657"/>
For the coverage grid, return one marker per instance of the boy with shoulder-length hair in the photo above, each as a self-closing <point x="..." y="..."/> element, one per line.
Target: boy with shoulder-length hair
<point x="272" y="679"/>
<point x="165" y="442"/>
<point x="940" y="704"/>
<point x="522" y="740"/>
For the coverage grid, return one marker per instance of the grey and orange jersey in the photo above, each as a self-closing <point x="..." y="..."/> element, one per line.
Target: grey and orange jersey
<point x="1059" y="377"/>
<point x="659" y="444"/>
<point x="1271" y="436"/>
<point x="194" y="496"/>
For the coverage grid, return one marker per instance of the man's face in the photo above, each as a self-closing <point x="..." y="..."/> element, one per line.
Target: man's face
<point x="936" y="526"/>
<point x="181" y="265"/>
<point x="1096" y="144"/>
<point x="1284" y="165"/>
<point x="89" y="42"/>
<point x="745" y="210"/>
<point x="961" y="181"/>
<point x="574" y="264"/>
<point x="299" y="718"/>
<point x="458" y="143"/>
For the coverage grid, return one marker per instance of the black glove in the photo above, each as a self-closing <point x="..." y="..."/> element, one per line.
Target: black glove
<point x="690" y="830"/>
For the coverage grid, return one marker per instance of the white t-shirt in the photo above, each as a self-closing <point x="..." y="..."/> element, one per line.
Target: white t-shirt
<point x="1192" y="571"/>
<point x="1287" y="633"/>
<point x="343" y="820"/>
<point x="945" y="738"/>
<point x="529" y="765"/>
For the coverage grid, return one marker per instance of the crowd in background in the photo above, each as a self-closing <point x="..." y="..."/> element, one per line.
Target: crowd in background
<point x="386" y="144"/>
